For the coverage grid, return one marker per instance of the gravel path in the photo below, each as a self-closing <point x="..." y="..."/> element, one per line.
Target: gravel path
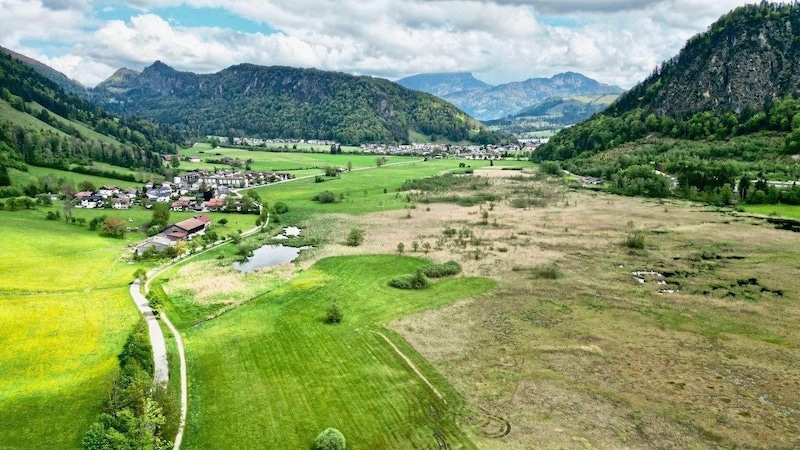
<point x="161" y="368"/>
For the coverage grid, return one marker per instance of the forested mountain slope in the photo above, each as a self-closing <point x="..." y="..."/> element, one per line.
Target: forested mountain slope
<point x="284" y="102"/>
<point x="64" y="82"/>
<point x="721" y="111"/>
<point x="40" y="124"/>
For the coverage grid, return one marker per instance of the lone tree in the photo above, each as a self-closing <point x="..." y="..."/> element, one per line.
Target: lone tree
<point x="113" y="226"/>
<point x="86" y="186"/>
<point x="334" y="314"/>
<point x="400" y="248"/>
<point x="160" y="214"/>
<point x="355" y="238"/>
<point x="330" y="439"/>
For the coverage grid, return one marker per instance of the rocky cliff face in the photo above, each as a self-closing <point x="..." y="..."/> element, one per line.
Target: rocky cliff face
<point x="746" y="58"/>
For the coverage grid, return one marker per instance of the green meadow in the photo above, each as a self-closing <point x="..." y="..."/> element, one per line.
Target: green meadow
<point x="65" y="313"/>
<point x="790" y="211"/>
<point x="273" y="373"/>
<point x="362" y="190"/>
<point x="299" y="163"/>
<point x="32" y="175"/>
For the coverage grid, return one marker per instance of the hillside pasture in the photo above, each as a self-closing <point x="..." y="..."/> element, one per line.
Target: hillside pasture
<point x="66" y="313"/>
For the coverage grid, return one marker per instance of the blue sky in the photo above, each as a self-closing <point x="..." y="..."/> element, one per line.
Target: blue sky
<point x="187" y="16"/>
<point x="615" y="41"/>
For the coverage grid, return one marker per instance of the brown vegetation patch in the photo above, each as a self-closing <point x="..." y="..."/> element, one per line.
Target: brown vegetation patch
<point x="593" y="358"/>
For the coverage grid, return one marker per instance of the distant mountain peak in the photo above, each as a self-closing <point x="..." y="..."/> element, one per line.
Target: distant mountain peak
<point x="119" y="77"/>
<point x="441" y="84"/>
<point x="495" y="102"/>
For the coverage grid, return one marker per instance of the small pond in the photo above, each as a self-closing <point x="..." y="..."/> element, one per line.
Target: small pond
<point x="269" y="255"/>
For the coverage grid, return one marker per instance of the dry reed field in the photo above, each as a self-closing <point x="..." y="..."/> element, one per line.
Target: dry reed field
<point x="589" y="342"/>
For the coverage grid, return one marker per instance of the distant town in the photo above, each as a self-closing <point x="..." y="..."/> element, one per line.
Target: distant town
<point x="433" y="150"/>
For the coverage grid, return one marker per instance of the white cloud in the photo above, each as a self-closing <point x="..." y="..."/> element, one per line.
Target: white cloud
<point x="618" y="41"/>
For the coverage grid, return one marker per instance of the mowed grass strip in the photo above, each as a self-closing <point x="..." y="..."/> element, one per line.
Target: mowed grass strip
<point x="273" y="374"/>
<point x="66" y="312"/>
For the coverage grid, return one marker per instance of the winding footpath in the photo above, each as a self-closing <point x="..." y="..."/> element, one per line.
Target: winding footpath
<point x="160" y="365"/>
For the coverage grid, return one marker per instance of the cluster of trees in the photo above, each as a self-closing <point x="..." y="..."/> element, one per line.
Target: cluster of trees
<point x="701" y="171"/>
<point x="604" y="132"/>
<point x="134" y="416"/>
<point x="763" y="193"/>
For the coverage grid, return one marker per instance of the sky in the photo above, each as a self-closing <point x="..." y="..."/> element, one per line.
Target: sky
<point x="614" y="41"/>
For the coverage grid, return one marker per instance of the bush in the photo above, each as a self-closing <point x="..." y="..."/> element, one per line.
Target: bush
<point x="334" y="314"/>
<point x="355" y="238"/>
<point x="330" y="439"/>
<point x="416" y="281"/>
<point x="635" y="241"/>
<point x="442" y="270"/>
<point x="96" y="222"/>
<point x="326" y="197"/>
<point x="280" y="208"/>
<point x="547" y="271"/>
<point x="551" y="168"/>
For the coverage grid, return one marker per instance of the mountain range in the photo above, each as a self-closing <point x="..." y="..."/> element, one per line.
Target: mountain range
<point x="487" y="102"/>
<point x="276" y="101"/>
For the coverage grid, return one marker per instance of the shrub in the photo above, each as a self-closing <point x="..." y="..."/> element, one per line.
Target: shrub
<point x="355" y="238"/>
<point x="635" y="241"/>
<point x="326" y="197"/>
<point x="280" y="208"/>
<point x="330" y="439"/>
<point x="442" y="270"/>
<point x="551" y="168"/>
<point x="334" y="313"/>
<point x="96" y="222"/>
<point x="154" y="301"/>
<point x="547" y="271"/>
<point x="416" y="281"/>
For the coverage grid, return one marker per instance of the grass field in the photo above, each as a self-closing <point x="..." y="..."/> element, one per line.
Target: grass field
<point x="363" y="190"/>
<point x="790" y="211"/>
<point x="65" y="314"/>
<point x="273" y="371"/>
<point x="33" y="174"/>
<point x="298" y="163"/>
